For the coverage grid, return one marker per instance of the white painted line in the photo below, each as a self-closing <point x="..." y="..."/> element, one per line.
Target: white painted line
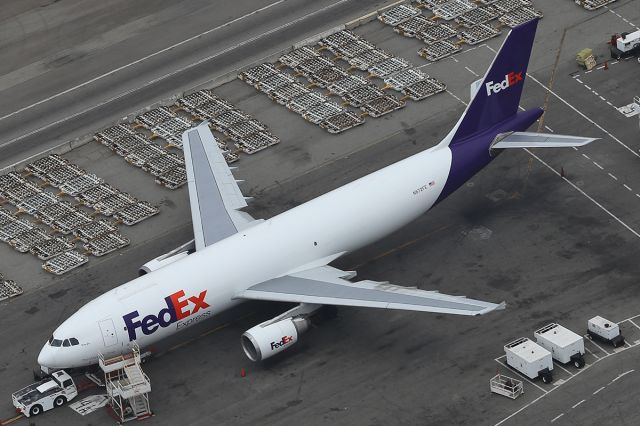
<point x="638" y="195"/>
<point x="454" y="59"/>
<point x="614" y="62"/>
<point x="557" y="417"/>
<point x="173" y="46"/>
<point x="612" y="176"/>
<point x="620" y="376"/>
<point x="609" y="103"/>
<point x="556" y="364"/>
<point x="584" y="116"/>
<point x="587" y="72"/>
<point x="587" y="87"/>
<point x="627" y="186"/>
<point x="602" y="98"/>
<point x="599" y="347"/>
<point x="500" y="357"/>
<point x="587" y="349"/>
<point x="595" y="93"/>
<point x="578" y="403"/>
<point x="596" y="392"/>
<point x="579" y="81"/>
<point x="465" y="104"/>
<point x="632" y="322"/>
<point x="588" y="197"/>
<point x="472" y="72"/>
<point x="177" y="71"/>
<point x="586" y="156"/>
<point x="574" y="148"/>
<point x="549" y="129"/>
<point x="600" y="67"/>
<point x="598" y="166"/>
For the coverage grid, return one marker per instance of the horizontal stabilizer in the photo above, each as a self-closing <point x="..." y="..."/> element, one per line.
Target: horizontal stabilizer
<point x="326" y="286"/>
<point x="540" y="140"/>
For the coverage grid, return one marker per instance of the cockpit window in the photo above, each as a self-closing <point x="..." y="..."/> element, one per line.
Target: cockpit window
<point x="66" y="343"/>
<point x="50" y="339"/>
<point x="56" y="343"/>
<point x="74" y="341"/>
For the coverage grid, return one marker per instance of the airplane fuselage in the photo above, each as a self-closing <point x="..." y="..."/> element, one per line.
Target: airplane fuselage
<point x="203" y="284"/>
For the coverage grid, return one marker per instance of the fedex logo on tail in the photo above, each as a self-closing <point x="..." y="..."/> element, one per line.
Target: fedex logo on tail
<point x="509" y="80"/>
<point x="178" y="308"/>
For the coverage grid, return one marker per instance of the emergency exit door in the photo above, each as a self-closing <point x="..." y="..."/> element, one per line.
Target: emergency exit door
<point x="108" y="332"/>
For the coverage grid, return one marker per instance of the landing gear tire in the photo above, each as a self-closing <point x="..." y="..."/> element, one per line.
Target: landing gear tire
<point x="35" y="410"/>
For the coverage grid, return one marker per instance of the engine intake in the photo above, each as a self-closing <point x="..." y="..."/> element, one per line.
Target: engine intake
<point x="264" y="341"/>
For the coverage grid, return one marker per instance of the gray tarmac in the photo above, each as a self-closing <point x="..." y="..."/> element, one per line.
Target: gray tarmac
<point x="556" y="249"/>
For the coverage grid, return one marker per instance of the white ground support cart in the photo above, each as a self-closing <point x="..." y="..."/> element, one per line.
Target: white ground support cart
<point x="530" y="359"/>
<point x="604" y="330"/>
<point x="565" y="345"/>
<point x="50" y="393"/>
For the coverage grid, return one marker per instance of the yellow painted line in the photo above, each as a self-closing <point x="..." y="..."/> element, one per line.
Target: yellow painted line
<point x="11" y="420"/>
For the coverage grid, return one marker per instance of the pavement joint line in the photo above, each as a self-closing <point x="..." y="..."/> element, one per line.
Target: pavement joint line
<point x="620" y="221"/>
<point x="578" y="111"/>
<point x="557" y="417"/>
<point x="578" y="403"/>
<point x="598" y="390"/>
<point x="140" y="60"/>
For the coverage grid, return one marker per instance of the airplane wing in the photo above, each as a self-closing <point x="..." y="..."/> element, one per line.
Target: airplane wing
<point x="540" y="140"/>
<point x="213" y="191"/>
<point x="330" y="286"/>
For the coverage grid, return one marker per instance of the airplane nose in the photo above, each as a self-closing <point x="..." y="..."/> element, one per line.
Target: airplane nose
<point x="46" y="357"/>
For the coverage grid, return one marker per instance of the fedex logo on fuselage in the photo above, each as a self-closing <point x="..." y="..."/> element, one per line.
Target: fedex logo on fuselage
<point x="509" y="80"/>
<point x="178" y="307"/>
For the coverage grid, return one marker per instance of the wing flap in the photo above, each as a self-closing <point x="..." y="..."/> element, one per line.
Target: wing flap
<point x="333" y="290"/>
<point x="540" y="140"/>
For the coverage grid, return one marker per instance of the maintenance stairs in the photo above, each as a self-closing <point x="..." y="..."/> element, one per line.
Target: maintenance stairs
<point x="128" y="387"/>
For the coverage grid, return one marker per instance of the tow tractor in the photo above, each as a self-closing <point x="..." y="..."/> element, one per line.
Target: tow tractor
<point x="625" y="44"/>
<point x="49" y="393"/>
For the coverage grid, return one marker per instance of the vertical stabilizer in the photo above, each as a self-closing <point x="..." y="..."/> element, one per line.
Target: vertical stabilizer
<point x="498" y="95"/>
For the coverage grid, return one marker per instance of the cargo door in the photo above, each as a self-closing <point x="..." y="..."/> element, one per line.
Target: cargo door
<point x="108" y="330"/>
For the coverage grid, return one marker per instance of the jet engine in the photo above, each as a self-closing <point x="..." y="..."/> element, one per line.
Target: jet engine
<point x="167" y="258"/>
<point x="275" y="335"/>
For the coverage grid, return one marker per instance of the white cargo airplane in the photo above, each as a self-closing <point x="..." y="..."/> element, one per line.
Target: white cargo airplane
<point x="235" y="258"/>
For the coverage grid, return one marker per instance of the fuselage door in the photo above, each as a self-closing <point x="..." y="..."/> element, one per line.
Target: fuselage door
<point x="108" y="332"/>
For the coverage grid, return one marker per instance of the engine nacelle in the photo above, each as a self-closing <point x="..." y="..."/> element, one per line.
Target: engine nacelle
<point x="264" y="341"/>
<point x="167" y="258"/>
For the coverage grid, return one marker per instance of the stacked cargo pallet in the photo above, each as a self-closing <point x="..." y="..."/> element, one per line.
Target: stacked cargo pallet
<point x="55" y="246"/>
<point x="472" y="22"/>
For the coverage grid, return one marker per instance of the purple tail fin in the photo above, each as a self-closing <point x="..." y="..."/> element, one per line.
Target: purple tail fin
<point x="498" y="96"/>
